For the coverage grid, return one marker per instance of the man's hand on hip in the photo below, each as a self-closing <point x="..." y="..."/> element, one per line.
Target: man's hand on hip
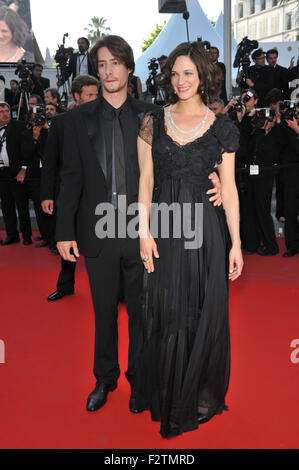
<point x="68" y="250"/>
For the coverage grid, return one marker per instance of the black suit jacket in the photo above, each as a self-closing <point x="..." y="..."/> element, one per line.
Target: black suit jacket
<point x="83" y="175"/>
<point x="223" y="95"/>
<point x="52" y="159"/>
<point x="13" y="147"/>
<point x="72" y="67"/>
<point x="280" y="80"/>
<point x="33" y="153"/>
<point x="39" y="86"/>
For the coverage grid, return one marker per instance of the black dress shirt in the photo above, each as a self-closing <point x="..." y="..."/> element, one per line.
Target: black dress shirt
<point x="127" y="118"/>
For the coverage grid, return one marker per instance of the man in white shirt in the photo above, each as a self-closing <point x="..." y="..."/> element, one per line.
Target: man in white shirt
<point x="80" y="63"/>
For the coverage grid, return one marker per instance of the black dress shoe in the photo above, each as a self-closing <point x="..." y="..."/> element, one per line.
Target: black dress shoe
<point x="10" y="241"/>
<point x="291" y="252"/>
<point x="42" y="244"/>
<point x="37" y="239"/>
<point x="27" y="241"/>
<point x="98" y="396"/>
<point x="132" y="403"/>
<point x="263" y="251"/>
<point x="57" y="295"/>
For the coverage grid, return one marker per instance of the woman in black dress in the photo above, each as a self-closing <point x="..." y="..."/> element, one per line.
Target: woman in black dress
<point x="184" y="363"/>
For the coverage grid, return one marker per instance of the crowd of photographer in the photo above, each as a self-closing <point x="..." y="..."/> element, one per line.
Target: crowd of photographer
<point x="266" y="113"/>
<point x="26" y="114"/>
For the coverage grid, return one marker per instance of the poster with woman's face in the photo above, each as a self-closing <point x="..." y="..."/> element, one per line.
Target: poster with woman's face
<point x="16" y="40"/>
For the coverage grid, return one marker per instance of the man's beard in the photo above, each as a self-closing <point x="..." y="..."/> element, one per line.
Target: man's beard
<point x="119" y="87"/>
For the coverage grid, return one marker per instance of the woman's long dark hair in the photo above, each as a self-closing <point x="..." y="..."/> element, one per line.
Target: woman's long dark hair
<point x="208" y="76"/>
<point x="17" y="26"/>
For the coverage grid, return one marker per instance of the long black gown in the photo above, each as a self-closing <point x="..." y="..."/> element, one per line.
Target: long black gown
<point x="183" y="368"/>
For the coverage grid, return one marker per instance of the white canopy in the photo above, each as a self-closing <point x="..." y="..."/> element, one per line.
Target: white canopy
<point x="175" y="32"/>
<point x="219" y="31"/>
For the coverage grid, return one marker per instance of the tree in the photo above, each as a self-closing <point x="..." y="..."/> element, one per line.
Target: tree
<point x="154" y="35"/>
<point x="213" y="23"/>
<point x="97" y="29"/>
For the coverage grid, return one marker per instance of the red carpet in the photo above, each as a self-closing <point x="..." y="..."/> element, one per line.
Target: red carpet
<point x="47" y="374"/>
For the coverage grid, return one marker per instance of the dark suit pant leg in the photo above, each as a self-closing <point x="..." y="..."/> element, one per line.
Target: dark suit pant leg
<point x="104" y="278"/>
<point x="8" y="207"/>
<point x="66" y="279"/>
<point x="132" y="270"/>
<point x="263" y="186"/>
<point x="291" y="194"/>
<point x="279" y="196"/>
<point x="33" y="192"/>
<point x="22" y="203"/>
<point x="250" y="229"/>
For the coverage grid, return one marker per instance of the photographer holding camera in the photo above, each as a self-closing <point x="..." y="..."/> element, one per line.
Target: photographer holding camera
<point x="241" y="110"/>
<point x="33" y="147"/>
<point x="260" y="77"/>
<point x="154" y="83"/>
<point x="75" y="64"/>
<point x="40" y="84"/>
<point x="266" y="142"/>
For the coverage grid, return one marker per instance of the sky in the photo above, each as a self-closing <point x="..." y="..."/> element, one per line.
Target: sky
<point x="132" y="19"/>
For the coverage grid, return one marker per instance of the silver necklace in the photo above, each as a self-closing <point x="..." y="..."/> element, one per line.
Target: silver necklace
<point x="181" y="130"/>
<point x="197" y="128"/>
<point x="13" y="56"/>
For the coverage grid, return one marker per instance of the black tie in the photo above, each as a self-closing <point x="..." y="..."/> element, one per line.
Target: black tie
<point x="118" y="160"/>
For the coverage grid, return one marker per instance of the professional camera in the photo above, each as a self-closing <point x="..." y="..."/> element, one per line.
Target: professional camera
<point x="261" y="115"/>
<point x="153" y="65"/>
<point x="23" y="71"/>
<point x="242" y="59"/>
<point x="63" y="55"/>
<point x="205" y="44"/>
<point x="238" y="107"/>
<point x="288" y="110"/>
<point x="37" y="116"/>
<point x="151" y="81"/>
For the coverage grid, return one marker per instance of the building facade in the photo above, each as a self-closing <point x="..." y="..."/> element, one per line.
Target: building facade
<point x="266" y="20"/>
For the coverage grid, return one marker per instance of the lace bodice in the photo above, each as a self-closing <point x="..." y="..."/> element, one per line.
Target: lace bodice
<point x="194" y="160"/>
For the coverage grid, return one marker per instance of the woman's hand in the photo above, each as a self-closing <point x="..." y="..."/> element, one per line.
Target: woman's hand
<point x="148" y="248"/>
<point x="235" y="263"/>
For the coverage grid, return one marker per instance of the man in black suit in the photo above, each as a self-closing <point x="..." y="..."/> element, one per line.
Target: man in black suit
<point x="12" y="175"/>
<point x="80" y="62"/>
<point x="214" y="55"/>
<point x="260" y="77"/>
<point x="40" y="84"/>
<point x="279" y="73"/>
<point x="84" y="89"/>
<point x="33" y="148"/>
<point x="100" y="164"/>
